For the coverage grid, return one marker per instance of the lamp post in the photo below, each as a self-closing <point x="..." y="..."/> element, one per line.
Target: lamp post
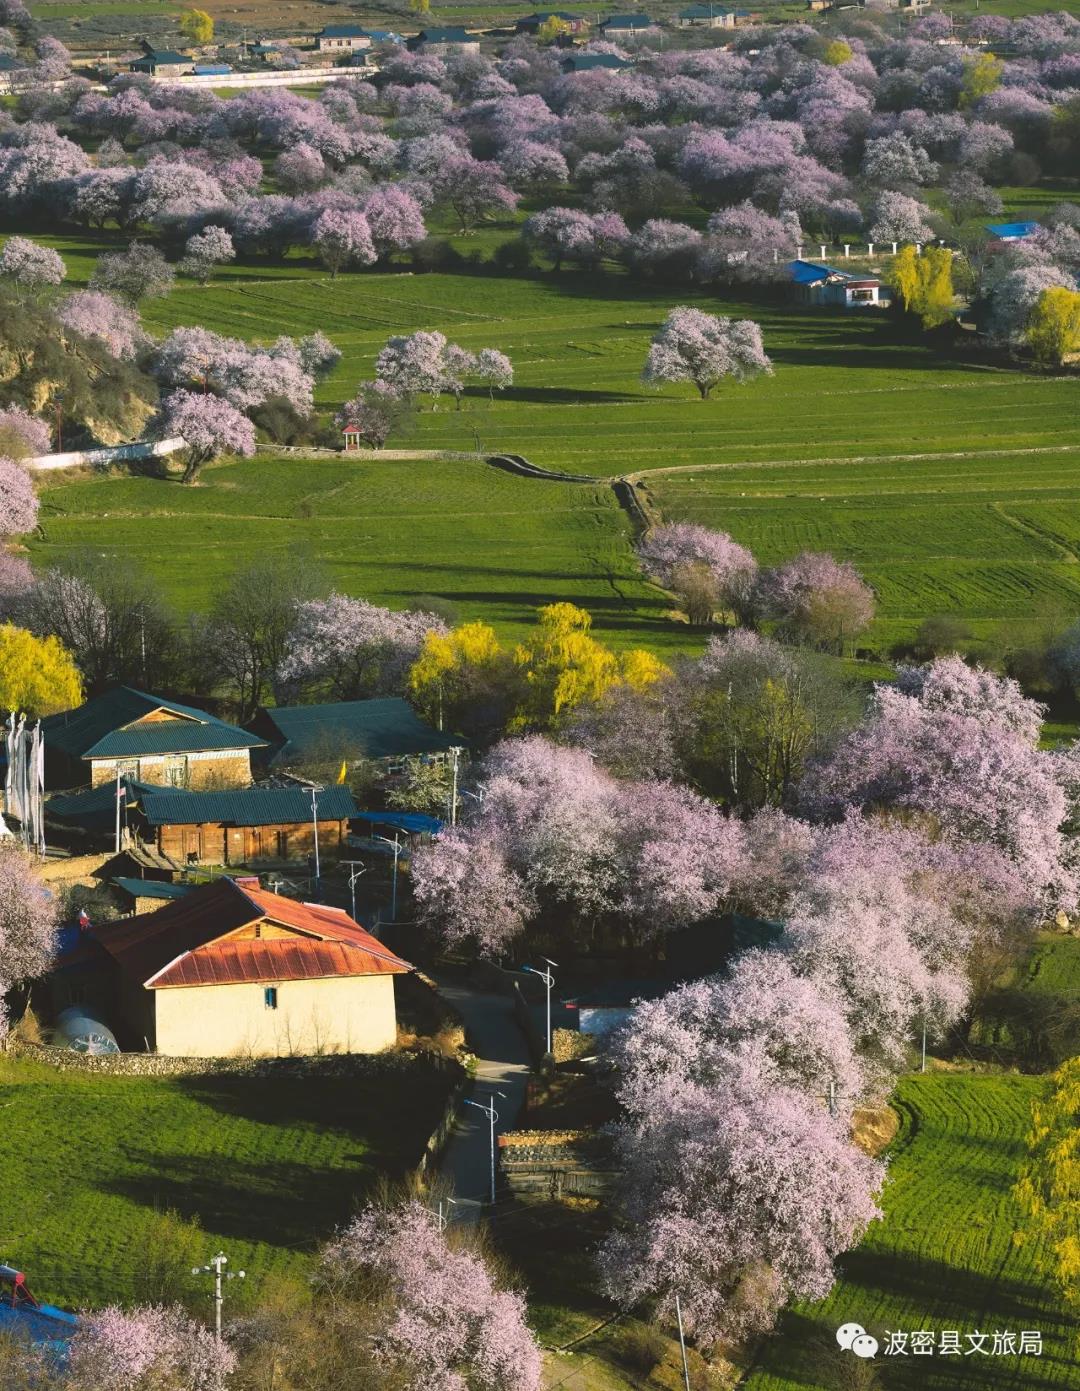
<point x="355" y="869"/>
<point x="393" y="891"/>
<point x="216" y="1268"/>
<point x="315" y="823"/>
<point x="492" y="1115"/>
<point x="477" y="797"/>
<point x="549" y="981"/>
<point x="455" y="755"/>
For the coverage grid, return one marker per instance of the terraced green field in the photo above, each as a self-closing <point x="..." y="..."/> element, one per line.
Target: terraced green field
<point x="943" y="1258"/>
<point x="494" y="545"/>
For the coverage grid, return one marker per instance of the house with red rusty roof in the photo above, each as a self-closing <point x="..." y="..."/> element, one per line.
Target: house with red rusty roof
<point x="231" y="971"/>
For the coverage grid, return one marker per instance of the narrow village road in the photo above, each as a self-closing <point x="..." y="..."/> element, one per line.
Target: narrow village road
<point x="502" y="1066"/>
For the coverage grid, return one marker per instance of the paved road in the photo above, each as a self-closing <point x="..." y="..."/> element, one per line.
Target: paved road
<point x="502" y="1066"/>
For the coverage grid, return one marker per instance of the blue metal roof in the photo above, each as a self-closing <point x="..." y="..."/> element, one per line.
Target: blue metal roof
<point x="343" y="31"/>
<point x="212" y="69"/>
<point x="383" y="728"/>
<point x="586" y="62"/>
<point x="247" y="806"/>
<point x="42" y="1324"/>
<point x="627" y="21"/>
<point x="1012" y="229"/>
<point x="810" y="272"/>
<point x="100" y="727"/>
<point x="95" y="808"/>
<point x="414" y="822"/>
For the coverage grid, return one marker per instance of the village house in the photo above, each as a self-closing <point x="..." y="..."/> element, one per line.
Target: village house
<point x="533" y="23"/>
<point x="162" y="62"/>
<point x="127" y="733"/>
<point x="384" y="732"/>
<point x="229" y="970"/>
<point x="243" y="826"/>
<point x="440" y="42"/>
<point x="342" y="38"/>
<point x="709" y="17"/>
<point x="586" y="62"/>
<point x="626" y="26"/>
<point x="820" y="285"/>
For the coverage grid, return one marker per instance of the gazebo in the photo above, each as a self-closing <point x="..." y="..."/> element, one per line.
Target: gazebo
<point x="351" y="433"/>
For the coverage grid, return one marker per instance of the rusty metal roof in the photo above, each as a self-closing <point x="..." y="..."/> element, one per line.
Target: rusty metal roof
<point x="151" y="946"/>
<point x="271" y="959"/>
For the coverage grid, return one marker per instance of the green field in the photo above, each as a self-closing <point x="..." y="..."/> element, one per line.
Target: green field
<point x="944" y="1256"/>
<point x="952" y="481"/>
<point x="493" y="545"/>
<point x="269" y="1165"/>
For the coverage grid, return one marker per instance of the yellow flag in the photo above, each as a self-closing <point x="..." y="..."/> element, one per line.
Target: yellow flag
<point x="343" y="774"/>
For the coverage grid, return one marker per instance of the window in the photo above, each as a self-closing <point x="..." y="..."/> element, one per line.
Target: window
<point x="176" y="770"/>
<point x="270" y="997"/>
<point x="128" y="768"/>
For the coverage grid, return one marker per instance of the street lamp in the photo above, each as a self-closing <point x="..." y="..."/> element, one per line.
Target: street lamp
<point x="455" y="754"/>
<point x="492" y="1116"/>
<point x="216" y="1268"/>
<point x="397" y="851"/>
<point x="355" y="868"/>
<point x="315" y="790"/>
<point x="549" y="981"/>
<point x="477" y="796"/>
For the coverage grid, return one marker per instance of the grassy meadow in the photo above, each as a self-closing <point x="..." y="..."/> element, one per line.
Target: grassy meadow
<point x="942" y="1258"/>
<point x="269" y="1165"/>
<point x="951" y="481"/>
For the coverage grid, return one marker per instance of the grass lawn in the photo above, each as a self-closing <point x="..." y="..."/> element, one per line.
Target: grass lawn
<point x="268" y="1165"/>
<point x="495" y="545"/>
<point x="944" y="1256"/>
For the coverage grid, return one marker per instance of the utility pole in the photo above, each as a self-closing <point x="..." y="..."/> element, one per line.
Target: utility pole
<point x="216" y="1268"/>
<point x="393" y="889"/>
<point x="315" y="824"/>
<point x="119" y="795"/>
<point x="682" y="1344"/>
<point x="492" y="1115"/>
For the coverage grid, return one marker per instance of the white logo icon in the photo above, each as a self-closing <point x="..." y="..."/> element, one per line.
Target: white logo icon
<point x="853" y="1337"/>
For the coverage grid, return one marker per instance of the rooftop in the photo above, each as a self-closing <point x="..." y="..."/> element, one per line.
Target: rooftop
<point x="626" y="21"/>
<point x="585" y="62"/>
<point x="343" y="31"/>
<point x="247" y="806"/>
<point x="109" y="727"/>
<point x="205" y="938"/>
<point x="452" y="33"/>
<point x="1012" y="229"/>
<point x="385" y="728"/>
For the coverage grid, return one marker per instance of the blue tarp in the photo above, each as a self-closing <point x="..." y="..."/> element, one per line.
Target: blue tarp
<point x="1012" y="229"/>
<point x="415" y="823"/>
<point x="43" y="1324"/>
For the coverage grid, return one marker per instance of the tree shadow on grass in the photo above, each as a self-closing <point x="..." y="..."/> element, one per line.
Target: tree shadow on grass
<point x="558" y="396"/>
<point x="277" y="1202"/>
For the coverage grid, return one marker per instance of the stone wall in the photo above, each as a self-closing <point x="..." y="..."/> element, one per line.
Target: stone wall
<point x="556" y="1163"/>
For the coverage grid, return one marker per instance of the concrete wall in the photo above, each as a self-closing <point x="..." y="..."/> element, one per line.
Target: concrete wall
<point x="101" y="457"/>
<point x="208" y="770"/>
<point x="353" y="1014"/>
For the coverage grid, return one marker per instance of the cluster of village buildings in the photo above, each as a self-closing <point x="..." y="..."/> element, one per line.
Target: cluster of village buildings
<point x="164" y="794"/>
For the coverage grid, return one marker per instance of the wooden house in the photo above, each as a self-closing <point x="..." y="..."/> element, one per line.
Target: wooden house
<point x="709" y="17"/>
<point x="533" y="23"/>
<point x="245" y="826"/>
<point x="229" y="970"/>
<point x="163" y="62"/>
<point x="824" y="286"/>
<point x="619" y="27"/>
<point x="130" y="734"/>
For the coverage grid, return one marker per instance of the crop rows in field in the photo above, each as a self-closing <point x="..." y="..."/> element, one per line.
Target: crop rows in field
<point x="944" y="1255"/>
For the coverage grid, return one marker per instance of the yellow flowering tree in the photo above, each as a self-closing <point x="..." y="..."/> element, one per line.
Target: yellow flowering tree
<point x="37" y="675"/>
<point x="925" y="284"/>
<point x="1049" y="1189"/>
<point x="1053" y="333"/>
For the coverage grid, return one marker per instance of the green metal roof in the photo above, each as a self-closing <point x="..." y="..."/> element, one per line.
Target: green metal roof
<point x="342" y="31"/>
<point x="99" y="729"/>
<point x="95" y="808"/>
<point x="248" y="806"/>
<point x="450" y="34"/>
<point x="387" y="728"/>
<point x="152" y="888"/>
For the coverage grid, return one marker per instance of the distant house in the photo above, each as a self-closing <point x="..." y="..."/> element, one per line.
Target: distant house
<point x="229" y="970"/>
<point x="162" y="62"/>
<point x="212" y="69"/>
<point x="822" y="285"/>
<point x="91" y="812"/>
<point x="147" y="895"/>
<point x="1011" y="231"/>
<point x="587" y="62"/>
<point x="147" y="738"/>
<point x="439" y="42"/>
<point x="532" y="23"/>
<point x="385" y="36"/>
<point x="384" y="732"/>
<point x="11" y="68"/>
<point x="709" y="17"/>
<point x="245" y="826"/>
<point x="342" y="38"/>
<point x="626" y="26"/>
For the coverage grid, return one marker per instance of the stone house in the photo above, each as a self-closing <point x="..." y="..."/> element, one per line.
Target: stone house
<point x="128" y="733"/>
